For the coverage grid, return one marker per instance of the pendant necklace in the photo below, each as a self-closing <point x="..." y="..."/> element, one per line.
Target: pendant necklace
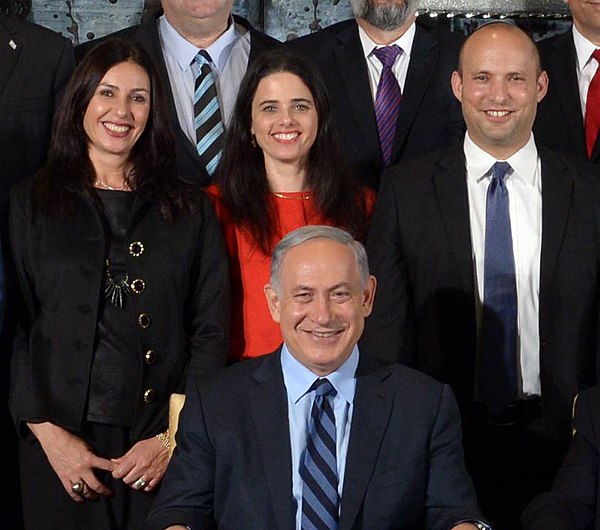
<point x="115" y="291"/>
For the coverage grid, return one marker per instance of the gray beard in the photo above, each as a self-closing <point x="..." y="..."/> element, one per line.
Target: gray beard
<point x="386" y="17"/>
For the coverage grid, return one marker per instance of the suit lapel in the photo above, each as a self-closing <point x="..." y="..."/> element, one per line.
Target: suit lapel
<point x="268" y="404"/>
<point x="355" y="76"/>
<point x="563" y="75"/>
<point x="557" y="190"/>
<point x="10" y="49"/>
<point x="451" y="189"/>
<point x="424" y="55"/>
<point x="373" y="403"/>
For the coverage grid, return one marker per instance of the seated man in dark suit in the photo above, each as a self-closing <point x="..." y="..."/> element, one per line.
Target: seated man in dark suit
<point x="202" y="52"/>
<point x="568" y="118"/>
<point x="573" y="503"/>
<point x="382" y="450"/>
<point x="383" y="55"/>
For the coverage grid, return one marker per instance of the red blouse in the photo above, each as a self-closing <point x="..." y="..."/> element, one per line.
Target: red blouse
<point x="253" y="331"/>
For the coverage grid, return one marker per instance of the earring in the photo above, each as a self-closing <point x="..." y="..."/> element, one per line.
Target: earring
<point x="253" y="140"/>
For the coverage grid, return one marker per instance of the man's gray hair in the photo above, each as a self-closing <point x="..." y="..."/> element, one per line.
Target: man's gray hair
<point x="307" y="233"/>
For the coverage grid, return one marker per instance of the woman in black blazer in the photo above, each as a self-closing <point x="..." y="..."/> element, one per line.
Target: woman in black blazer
<point x="125" y="295"/>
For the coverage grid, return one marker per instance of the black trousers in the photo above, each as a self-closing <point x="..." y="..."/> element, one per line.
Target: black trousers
<point x="47" y="506"/>
<point x="509" y="466"/>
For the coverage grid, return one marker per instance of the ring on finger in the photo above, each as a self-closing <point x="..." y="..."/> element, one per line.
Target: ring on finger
<point x="140" y="483"/>
<point x="77" y="487"/>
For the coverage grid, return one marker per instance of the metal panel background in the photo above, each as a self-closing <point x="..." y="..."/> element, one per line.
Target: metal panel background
<point x="83" y="20"/>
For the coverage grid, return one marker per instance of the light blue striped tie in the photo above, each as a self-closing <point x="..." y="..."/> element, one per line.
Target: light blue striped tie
<point x="207" y="113"/>
<point x="318" y="470"/>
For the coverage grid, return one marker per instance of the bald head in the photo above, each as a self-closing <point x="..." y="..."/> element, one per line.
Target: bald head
<point x="499" y="84"/>
<point x="487" y="33"/>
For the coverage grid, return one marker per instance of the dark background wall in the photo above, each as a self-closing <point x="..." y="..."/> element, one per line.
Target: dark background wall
<point x="83" y="20"/>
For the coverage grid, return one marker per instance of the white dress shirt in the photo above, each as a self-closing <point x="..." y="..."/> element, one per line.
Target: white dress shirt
<point x="400" y="67"/>
<point x="524" y="185"/>
<point x="586" y="66"/>
<point x="229" y="54"/>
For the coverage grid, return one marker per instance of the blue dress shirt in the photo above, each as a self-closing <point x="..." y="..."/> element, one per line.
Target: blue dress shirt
<point x="298" y="379"/>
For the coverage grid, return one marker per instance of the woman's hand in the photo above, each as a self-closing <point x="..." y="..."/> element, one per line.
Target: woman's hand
<point x="73" y="461"/>
<point x="143" y="466"/>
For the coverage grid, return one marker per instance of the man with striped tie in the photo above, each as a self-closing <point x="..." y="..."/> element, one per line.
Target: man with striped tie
<point x="202" y="52"/>
<point x="315" y="435"/>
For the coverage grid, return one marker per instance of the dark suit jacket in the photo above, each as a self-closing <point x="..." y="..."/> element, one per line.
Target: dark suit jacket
<point x="420" y="251"/>
<point x="189" y="164"/>
<point x="60" y="263"/>
<point x="33" y="73"/>
<point x="430" y="116"/>
<point x="573" y="502"/>
<point x="559" y="122"/>
<point x="232" y="467"/>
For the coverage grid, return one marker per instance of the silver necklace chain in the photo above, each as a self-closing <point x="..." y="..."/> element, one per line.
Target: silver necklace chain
<point x="100" y="183"/>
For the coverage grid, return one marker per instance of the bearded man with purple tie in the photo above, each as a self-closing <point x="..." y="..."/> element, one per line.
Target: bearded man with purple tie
<point x="487" y="257"/>
<point x="387" y="75"/>
<point x="317" y="435"/>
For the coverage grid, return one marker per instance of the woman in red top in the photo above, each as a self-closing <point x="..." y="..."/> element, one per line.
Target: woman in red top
<point x="281" y="169"/>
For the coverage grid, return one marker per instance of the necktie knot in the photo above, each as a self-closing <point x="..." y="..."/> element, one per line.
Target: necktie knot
<point x="202" y="58"/>
<point x="387" y="54"/>
<point x="499" y="171"/>
<point x="323" y="387"/>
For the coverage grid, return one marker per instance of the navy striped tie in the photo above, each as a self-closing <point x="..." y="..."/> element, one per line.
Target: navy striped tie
<point x="207" y="113"/>
<point x="387" y="100"/>
<point x="318" y="470"/>
<point x="499" y="320"/>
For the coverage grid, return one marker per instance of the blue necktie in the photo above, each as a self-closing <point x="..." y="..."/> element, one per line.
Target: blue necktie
<point x="318" y="470"/>
<point x="387" y="100"/>
<point x="207" y="113"/>
<point x="499" y="320"/>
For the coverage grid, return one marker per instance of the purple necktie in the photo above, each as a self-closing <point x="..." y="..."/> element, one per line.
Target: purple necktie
<point x="387" y="100"/>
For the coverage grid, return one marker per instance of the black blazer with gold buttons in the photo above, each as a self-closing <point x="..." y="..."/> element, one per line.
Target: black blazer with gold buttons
<point x="180" y="307"/>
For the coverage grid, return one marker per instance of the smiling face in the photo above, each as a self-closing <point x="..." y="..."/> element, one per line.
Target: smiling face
<point x="284" y="119"/>
<point x="586" y="17"/>
<point x="322" y="303"/>
<point x="117" y="113"/>
<point x="499" y="86"/>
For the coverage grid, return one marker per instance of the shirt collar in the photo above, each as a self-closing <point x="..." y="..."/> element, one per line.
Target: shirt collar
<point x="523" y="162"/>
<point x="298" y="379"/>
<point x="583" y="48"/>
<point x="184" y="51"/>
<point x="405" y="41"/>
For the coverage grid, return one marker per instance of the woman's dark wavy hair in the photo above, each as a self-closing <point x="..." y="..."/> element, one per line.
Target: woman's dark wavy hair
<point x="241" y="173"/>
<point x="69" y="169"/>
